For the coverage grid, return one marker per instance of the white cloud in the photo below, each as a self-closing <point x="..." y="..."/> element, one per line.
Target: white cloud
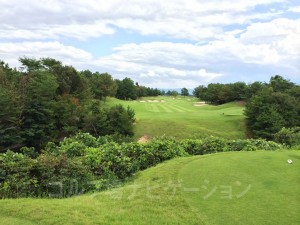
<point x="295" y="9"/>
<point x="68" y="54"/>
<point x="190" y="19"/>
<point x="221" y="37"/>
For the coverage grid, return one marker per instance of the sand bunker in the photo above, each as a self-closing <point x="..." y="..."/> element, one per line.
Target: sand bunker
<point x="199" y="104"/>
<point x="153" y="101"/>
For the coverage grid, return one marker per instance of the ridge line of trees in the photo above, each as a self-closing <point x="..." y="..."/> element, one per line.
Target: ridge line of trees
<point x="269" y="107"/>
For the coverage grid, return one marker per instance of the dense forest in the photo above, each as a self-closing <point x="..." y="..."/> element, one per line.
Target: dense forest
<point x="46" y="101"/>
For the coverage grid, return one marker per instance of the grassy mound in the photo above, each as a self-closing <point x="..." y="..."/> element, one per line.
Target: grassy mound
<point x="180" y="192"/>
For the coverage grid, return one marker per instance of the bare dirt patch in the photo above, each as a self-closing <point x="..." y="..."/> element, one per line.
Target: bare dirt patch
<point x="144" y="139"/>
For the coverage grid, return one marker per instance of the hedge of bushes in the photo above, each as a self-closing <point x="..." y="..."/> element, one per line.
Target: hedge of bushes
<point x="84" y="163"/>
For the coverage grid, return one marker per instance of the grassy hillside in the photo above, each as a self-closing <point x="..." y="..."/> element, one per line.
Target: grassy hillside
<point x="181" y="192"/>
<point x="181" y="118"/>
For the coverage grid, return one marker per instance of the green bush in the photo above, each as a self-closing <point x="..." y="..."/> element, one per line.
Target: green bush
<point x="261" y="144"/>
<point x="288" y="136"/>
<point x="61" y="176"/>
<point x="83" y="163"/>
<point x="213" y="145"/>
<point x="193" y="147"/>
<point x="237" y="145"/>
<point x="163" y="148"/>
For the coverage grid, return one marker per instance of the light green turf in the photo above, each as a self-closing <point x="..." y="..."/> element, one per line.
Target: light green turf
<point x="180" y="118"/>
<point x="245" y="188"/>
<point x="173" y="193"/>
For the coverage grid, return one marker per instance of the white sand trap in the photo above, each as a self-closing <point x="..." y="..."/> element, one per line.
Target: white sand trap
<point x="162" y="101"/>
<point x="142" y="101"/>
<point x="199" y="104"/>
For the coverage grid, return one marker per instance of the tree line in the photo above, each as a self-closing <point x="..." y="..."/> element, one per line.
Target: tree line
<point x="46" y="101"/>
<point x="270" y="107"/>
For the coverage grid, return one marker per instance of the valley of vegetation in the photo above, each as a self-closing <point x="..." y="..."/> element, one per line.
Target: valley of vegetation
<point x="90" y="140"/>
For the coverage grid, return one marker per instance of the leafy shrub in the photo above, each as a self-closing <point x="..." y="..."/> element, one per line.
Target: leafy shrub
<point x="163" y="148"/>
<point x="237" y="145"/>
<point x="288" y="136"/>
<point x="118" y="138"/>
<point x="213" y="145"/>
<point x="60" y="176"/>
<point x="16" y="177"/>
<point x="261" y="144"/>
<point x="193" y="147"/>
<point x="73" y="149"/>
<point x="82" y="162"/>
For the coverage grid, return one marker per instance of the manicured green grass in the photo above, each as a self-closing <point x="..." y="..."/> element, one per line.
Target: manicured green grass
<point x="245" y="188"/>
<point x="177" y="192"/>
<point x="180" y="118"/>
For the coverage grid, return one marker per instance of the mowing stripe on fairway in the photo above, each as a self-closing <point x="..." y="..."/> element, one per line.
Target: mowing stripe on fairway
<point x="165" y="108"/>
<point x="154" y="107"/>
<point x="180" y="108"/>
<point x="174" y="109"/>
<point x="148" y="108"/>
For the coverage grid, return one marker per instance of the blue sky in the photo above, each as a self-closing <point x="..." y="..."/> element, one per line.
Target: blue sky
<point x="164" y="44"/>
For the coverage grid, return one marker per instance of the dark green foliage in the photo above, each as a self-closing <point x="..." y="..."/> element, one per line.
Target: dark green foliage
<point x="174" y="93"/>
<point x="102" y="85"/>
<point x="120" y="121"/>
<point x="268" y="111"/>
<point x="279" y="84"/>
<point x="221" y="93"/>
<point x="143" y="91"/>
<point x="131" y="113"/>
<point x="213" y="145"/>
<point x="161" y="149"/>
<point x="254" y="88"/>
<point x="10" y="117"/>
<point x="288" y="136"/>
<point x="82" y="162"/>
<point x="193" y="147"/>
<point x="184" y="92"/>
<point x="48" y="101"/>
<point x="126" y="89"/>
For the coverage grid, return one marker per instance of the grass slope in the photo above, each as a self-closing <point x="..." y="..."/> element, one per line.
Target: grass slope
<point x="173" y="193"/>
<point x="180" y="118"/>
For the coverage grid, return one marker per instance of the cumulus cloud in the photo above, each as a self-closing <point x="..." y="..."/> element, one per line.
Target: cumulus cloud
<point x="190" y="19"/>
<point x="295" y="9"/>
<point x="204" y="41"/>
<point x="67" y="54"/>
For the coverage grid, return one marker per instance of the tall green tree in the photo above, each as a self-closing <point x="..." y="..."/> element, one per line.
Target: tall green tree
<point x="126" y="89"/>
<point x="10" y="116"/>
<point x="184" y="92"/>
<point x="268" y="111"/>
<point x="279" y="84"/>
<point x="38" y="119"/>
<point x="107" y="85"/>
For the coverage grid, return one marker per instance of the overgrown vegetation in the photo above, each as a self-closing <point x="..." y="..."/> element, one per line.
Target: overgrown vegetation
<point x="90" y="163"/>
<point x="47" y="101"/>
